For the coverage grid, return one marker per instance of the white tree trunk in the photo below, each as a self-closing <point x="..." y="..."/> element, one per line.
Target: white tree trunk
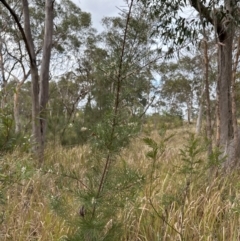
<point x="16" y="108"/>
<point x="3" y="84"/>
<point x="36" y="134"/>
<point x="199" y="119"/>
<point x="44" y="73"/>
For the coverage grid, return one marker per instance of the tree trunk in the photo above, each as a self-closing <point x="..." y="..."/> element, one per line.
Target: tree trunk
<point x="225" y="79"/>
<point x="224" y="31"/>
<point x="234" y="107"/>
<point x="44" y="73"/>
<point x="189" y="111"/>
<point x="36" y="134"/>
<point x="217" y="112"/>
<point x="3" y="84"/>
<point x="208" y="115"/>
<point x="200" y="113"/>
<point x="199" y="120"/>
<point x="207" y="95"/>
<point x="16" y="108"/>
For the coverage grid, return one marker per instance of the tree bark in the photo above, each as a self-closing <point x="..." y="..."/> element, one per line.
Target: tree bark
<point x="36" y="134"/>
<point x="3" y="84"/>
<point x="189" y="111"/>
<point x="217" y="107"/>
<point x="16" y="109"/>
<point x="200" y="113"/>
<point x="234" y="107"/>
<point x="225" y="79"/>
<point x="225" y="38"/>
<point x="207" y="94"/>
<point x="44" y="73"/>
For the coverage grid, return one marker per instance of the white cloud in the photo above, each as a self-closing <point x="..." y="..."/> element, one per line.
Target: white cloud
<point x="100" y="9"/>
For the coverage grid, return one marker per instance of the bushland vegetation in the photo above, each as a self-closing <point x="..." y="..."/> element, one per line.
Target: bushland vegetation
<point x="127" y="134"/>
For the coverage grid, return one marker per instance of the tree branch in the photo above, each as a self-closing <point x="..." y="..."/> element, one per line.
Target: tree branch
<point x="206" y="13"/>
<point x="202" y="10"/>
<point x="14" y="15"/>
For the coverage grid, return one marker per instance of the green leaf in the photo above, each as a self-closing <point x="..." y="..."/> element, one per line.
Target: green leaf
<point x="150" y="142"/>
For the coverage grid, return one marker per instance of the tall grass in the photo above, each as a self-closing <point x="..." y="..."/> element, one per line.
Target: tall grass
<point x="167" y="204"/>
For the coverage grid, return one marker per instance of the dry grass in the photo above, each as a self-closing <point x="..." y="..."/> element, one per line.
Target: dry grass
<point x="166" y="208"/>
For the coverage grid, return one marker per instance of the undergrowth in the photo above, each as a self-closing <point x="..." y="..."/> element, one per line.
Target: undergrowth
<point x="159" y="189"/>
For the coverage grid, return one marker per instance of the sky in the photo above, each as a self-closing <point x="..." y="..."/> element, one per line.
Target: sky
<point x="100" y="9"/>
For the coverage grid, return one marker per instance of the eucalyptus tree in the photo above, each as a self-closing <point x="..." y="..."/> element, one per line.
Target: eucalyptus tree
<point x="39" y="82"/>
<point x="181" y="82"/>
<point x="177" y="27"/>
<point x="41" y="38"/>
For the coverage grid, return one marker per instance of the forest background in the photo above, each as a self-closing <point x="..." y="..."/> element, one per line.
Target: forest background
<point x="127" y="133"/>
